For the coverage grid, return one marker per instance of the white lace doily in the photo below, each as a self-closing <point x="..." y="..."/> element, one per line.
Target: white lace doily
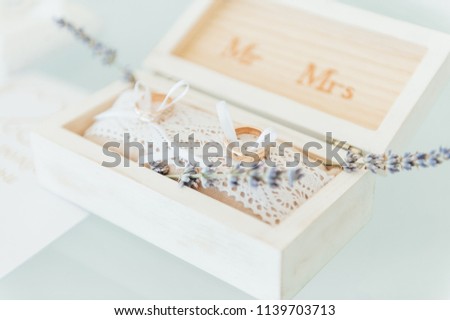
<point x="270" y="204"/>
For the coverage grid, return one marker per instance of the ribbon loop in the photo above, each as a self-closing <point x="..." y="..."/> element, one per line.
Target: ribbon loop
<point x="226" y="121"/>
<point x="139" y="103"/>
<point x="147" y="109"/>
<point x="176" y="87"/>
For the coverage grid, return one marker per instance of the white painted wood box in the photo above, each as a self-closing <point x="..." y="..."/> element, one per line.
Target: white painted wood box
<point x="302" y="67"/>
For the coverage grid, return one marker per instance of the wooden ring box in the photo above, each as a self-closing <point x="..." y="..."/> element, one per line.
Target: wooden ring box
<point x="303" y="68"/>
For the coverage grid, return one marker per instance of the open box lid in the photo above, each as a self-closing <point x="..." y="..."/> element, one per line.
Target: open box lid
<point x="316" y="66"/>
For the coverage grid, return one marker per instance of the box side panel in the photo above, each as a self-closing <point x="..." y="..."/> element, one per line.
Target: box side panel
<point x="329" y="233"/>
<point x="238" y="259"/>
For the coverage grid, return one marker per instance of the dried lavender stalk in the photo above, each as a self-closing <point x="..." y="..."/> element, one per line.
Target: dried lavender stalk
<point x="108" y="55"/>
<point x="394" y="163"/>
<point x="194" y="177"/>
<point x="258" y="175"/>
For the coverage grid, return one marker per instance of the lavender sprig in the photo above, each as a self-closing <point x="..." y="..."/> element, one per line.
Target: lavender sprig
<point x="294" y="175"/>
<point x="394" y="163"/>
<point x="255" y="175"/>
<point x="194" y="177"/>
<point x="107" y="55"/>
<point x="235" y="175"/>
<point x="190" y="178"/>
<point x="274" y="177"/>
<point x="260" y="175"/>
<point x="208" y="177"/>
<point x="161" y="167"/>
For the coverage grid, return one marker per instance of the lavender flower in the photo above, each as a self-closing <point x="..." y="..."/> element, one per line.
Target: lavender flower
<point x="107" y="55"/>
<point x="294" y="174"/>
<point x="208" y="177"/>
<point x="375" y="162"/>
<point x="127" y="75"/>
<point x="190" y="178"/>
<point x="274" y="177"/>
<point x="422" y="160"/>
<point x="351" y="162"/>
<point x="259" y="175"/>
<point x="235" y="174"/>
<point x="445" y="153"/>
<point x="393" y="162"/>
<point x="409" y="161"/>
<point x="255" y="176"/>
<point x="435" y="158"/>
<point x="160" y="167"/>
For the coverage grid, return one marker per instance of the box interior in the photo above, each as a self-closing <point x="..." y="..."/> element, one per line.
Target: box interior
<point x="342" y="70"/>
<point x="83" y="122"/>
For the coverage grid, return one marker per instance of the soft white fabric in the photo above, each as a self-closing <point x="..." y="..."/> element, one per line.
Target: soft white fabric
<point x="270" y="204"/>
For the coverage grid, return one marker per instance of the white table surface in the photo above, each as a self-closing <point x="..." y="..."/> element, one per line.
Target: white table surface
<point x="404" y="252"/>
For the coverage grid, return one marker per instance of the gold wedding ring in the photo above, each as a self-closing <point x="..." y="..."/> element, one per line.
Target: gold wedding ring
<point x="250" y="155"/>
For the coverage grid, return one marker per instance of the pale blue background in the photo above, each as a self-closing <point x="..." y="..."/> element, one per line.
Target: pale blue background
<point x="404" y="253"/>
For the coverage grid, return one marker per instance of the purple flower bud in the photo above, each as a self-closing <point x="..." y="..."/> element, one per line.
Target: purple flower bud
<point x="107" y="55"/>
<point x="255" y="177"/>
<point x="208" y="177"/>
<point x="160" y="167"/>
<point x="274" y="177"/>
<point x="189" y="178"/>
<point x="294" y="175"/>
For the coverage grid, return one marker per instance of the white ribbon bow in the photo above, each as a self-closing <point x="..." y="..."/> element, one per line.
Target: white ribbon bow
<point x="138" y="102"/>
<point x="226" y="123"/>
<point x="145" y="107"/>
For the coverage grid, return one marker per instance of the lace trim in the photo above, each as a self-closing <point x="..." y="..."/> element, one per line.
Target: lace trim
<point x="272" y="205"/>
